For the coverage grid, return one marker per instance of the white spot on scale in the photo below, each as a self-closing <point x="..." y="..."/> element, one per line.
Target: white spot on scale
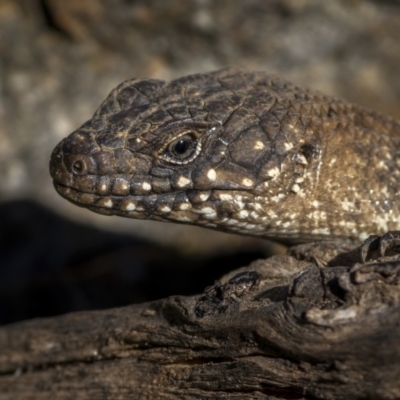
<point x="165" y="209"/>
<point x="315" y="203"/>
<point x="243" y="214"/>
<point x="108" y="203"/>
<point x="130" y="206"/>
<point x="254" y="215"/>
<point x="382" y="165"/>
<point x="318" y="215"/>
<point x="183" y="181"/>
<point x="103" y="187"/>
<point x="259" y="145"/>
<point x="239" y="204"/>
<point x="250" y="226"/>
<point x="258" y="206"/>
<point x="231" y="222"/>
<point x="295" y="188"/>
<point x="271" y="214"/>
<point x="347" y="206"/>
<point x="206" y="210"/>
<point x="247" y="182"/>
<point x="225" y="197"/>
<point x="212" y="175"/>
<point x="384" y="191"/>
<point x="138" y="140"/>
<point x="184" y="206"/>
<point x="321" y="231"/>
<point x="273" y="172"/>
<point x="300" y="159"/>
<point x="146" y="186"/>
<point x="211" y="215"/>
<point x="204" y="196"/>
<point x="288" y="146"/>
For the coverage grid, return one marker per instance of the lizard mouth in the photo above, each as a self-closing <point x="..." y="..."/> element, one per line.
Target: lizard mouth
<point x="224" y="210"/>
<point x="153" y="206"/>
<point x="134" y="206"/>
<point x="79" y="198"/>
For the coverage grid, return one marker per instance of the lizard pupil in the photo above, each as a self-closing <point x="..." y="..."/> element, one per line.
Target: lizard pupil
<point x="181" y="146"/>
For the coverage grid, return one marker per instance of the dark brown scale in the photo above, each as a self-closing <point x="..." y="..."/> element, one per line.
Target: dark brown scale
<point x="237" y="151"/>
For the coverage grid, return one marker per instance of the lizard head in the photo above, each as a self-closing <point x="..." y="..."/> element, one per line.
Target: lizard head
<point x="212" y="150"/>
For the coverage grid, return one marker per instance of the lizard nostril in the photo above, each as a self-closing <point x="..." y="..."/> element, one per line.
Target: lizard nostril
<point x="77" y="164"/>
<point x="80" y="164"/>
<point x="78" y="167"/>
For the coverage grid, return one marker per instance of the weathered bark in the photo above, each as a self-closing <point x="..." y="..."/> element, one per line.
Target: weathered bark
<point x="284" y="327"/>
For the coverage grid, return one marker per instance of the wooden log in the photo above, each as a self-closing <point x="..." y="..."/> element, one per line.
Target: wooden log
<point x="283" y="328"/>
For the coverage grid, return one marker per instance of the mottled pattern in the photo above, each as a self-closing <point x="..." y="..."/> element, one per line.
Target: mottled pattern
<point x="242" y="152"/>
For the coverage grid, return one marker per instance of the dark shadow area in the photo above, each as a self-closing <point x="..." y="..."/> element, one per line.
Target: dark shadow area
<point x="50" y="266"/>
<point x="51" y="20"/>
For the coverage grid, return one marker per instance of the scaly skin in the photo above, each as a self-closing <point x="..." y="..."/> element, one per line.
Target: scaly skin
<point x="236" y="151"/>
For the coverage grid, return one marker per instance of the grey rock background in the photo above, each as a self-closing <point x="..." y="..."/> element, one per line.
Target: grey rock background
<point x="59" y="59"/>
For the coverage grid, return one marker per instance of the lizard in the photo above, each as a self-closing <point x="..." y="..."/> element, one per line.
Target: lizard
<point x="237" y="151"/>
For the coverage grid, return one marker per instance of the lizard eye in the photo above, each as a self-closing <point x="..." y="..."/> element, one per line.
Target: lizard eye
<point x="182" y="150"/>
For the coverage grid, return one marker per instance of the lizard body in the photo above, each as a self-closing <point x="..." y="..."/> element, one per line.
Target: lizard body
<point x="242" y="152"/>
